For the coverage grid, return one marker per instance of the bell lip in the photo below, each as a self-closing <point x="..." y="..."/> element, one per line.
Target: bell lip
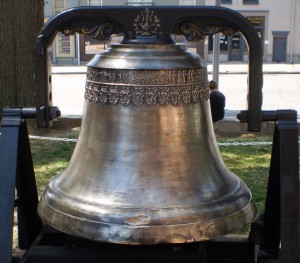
<point x="150" y="235"/>
<point x="143" y="228"/>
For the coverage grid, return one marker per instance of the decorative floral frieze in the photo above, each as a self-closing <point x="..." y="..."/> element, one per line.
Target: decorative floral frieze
<point x="195" y="31"/>
<point x="151" y="87"/>
<point x="150" y="95"/>
<point x="148" y="77"/>
<point x="99" y="32"/>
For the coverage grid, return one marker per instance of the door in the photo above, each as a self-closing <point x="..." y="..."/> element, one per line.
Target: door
<point x="279" y="49"/>
<point x="236" y="48"/>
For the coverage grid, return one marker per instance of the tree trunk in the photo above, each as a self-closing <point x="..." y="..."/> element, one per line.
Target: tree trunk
<point x="20" y="22"/>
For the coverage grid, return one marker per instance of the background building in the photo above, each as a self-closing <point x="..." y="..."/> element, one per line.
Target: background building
<point x="275" y="21"/>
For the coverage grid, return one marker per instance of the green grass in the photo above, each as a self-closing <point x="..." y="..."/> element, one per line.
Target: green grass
<point x="50" y="157"/>
<point x="251" y="164"/>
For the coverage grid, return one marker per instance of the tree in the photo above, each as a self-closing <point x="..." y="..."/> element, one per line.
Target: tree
<point x="20" y="22"/>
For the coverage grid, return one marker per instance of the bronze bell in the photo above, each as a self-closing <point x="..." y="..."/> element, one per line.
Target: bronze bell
<point x="146" y="168"/>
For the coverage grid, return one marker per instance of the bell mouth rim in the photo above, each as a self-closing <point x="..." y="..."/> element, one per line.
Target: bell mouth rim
<point x="194" y="224"/>
<point x="153" y="234"/>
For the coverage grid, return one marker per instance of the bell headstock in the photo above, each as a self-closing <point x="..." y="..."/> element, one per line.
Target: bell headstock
<point x="150" y="25"/>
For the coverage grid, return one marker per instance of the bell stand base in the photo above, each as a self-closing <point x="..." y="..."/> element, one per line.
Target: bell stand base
<point x="17" y="175"/>
<point x="279" y="237"/>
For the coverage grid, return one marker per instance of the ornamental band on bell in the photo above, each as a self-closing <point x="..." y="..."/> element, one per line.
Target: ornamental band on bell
<point x="150" y="87"/>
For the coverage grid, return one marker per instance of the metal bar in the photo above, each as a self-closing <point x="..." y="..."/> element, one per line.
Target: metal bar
<point x="9" y="135"/>
<point x="280" y="238"/>
<point x="242" y="116"/>
<point x="16" y="170"/>
<point x="289" y="182"/>
<point x="271" y="225"/>
<point x="29" y="223"/>
<point x="42" y="81"/>
<point x="216" y="53"/>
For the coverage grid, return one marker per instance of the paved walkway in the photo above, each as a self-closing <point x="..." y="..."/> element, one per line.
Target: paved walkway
<point x="72" y="102"/>
<point x="225" y="68"/>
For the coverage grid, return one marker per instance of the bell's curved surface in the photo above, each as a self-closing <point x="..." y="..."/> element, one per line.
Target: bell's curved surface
<point x="146" y="168"/>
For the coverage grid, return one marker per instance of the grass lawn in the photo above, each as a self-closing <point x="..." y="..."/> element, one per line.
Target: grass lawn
<point x="251" y="163"/>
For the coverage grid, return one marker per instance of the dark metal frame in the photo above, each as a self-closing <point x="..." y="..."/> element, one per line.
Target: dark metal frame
<point x="17" y="173"/>
<point x="280" y="237"/>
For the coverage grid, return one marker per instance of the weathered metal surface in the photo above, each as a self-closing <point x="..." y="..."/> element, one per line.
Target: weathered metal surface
<point x="147" y="168"/>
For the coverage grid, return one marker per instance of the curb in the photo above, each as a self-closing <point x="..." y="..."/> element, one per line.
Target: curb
<point x="83" y="71"/>
<point x="209" y="72"/>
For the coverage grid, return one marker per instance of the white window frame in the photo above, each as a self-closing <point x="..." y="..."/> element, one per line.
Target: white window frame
<point x="228" y="2"/>
<point x="56" y="9"/>
<point x="58" y="41"/>
<point x="139" y="2"/>
<point x="94" y="2"/>
<point x="187" y="2"/>
<point x="250" y="2"/>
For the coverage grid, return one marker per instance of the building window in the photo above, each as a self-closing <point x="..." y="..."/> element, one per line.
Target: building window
<point x="64" y="44"/>
<point x="187" y="2"/>
<point x="58" y="6"/>
<point x="223" y="43"/>
<point x="139" y="2"/>
<point x="245" y="2"/>
<point x="226" y="2"/>
<point x="95" y="2"/>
